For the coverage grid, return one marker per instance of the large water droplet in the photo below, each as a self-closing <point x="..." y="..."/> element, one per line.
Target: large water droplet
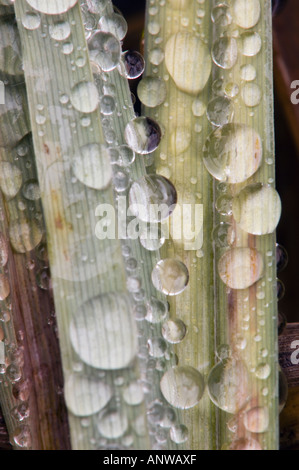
<point x="85" y="396"/>
<point x="143" y="135"/>
<point x="225" y="52"/>
<point x="151" y="91"/>
<point x="152" y="198"/>
<point x="24" y="236"/>
<point x="233" y="153"/>
<point x="257" y="209"/>
<point x="220" y="111"/>
<point x="170" y="276"/>
<point x="106" y="340"/>
<point x="60" y="30"/>
<point x="31" y="21"/>
<point x="186" y="69"/>
<point x="221" y="15"/>
<point x="91" y="166"/>
<point x="10" y="179"/>
<point x="182" y="387"/>
<point x="84" y="97"/>
<point x="179" y="433"/>
<point x="115" y="24"/>
<point x="227" y="385"/>
<point x="156" y="311"/>
<point x="174" y="331"/>
<point x="112" y="424"/>
<point x="239" y="268"/>
<point x="256" y="420"/>
<point x="251" y="94"/>
<point x="134" y="64"/>
<point x="52" y="8"/>
<point x="133" y="394"/>
<point x="105" y="50"/>
<point x="251" y="43"/>
<point x="246" y="13"/>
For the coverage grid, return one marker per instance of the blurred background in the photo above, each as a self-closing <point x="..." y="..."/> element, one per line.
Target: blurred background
<point x="286" y="69"/>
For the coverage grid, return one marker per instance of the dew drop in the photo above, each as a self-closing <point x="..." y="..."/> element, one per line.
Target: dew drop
<point x="106" y="340"/>
<point x="227" y="385"/>
<point x="170" y="276"/>
<point x="263" y="371"/>
<point x="256" y="419"/>
<point x="22" y="437"/>
<point x="221" y="15"/>
<point x="156" y="56"/>
<point x="52" y="8"/>
<point x="25" y="236"/>
<point x="156" y="311"/>
<point x="248" y="72"/>
<point x="105" y="50"/>
<point x="112" y="424"/>
<point x="85" y="396"/>
<point x="224" y="204"/>
<point x="3" y="250"/>
<point x="31" y="190"/>
<point x="225" y="52"/>
<point x="10" y="179"/>
<point x="174" y="331"/>
<point x="151" y="237"/>
<point x="157" y="347"/>
<point x="179" y="434"/>
<point x="198" y="108"/>
<point x="239" y="268"/>
<point x="151" y="91"/>
<point x="31" y="21"/>
<point x="246" y="13"/>
<point x="233" y="153"/>
<point x="182" y="387"/>
<point x="115" y="24"/>
<point x="91" y="166"/>
<point x="251" y="44"/>
<point x="134" y="64"/>
<point x="143" y="135"/>
<point x="223" y="235"/>
<point x="245" y="444"/>
<point x="220" y="111"/>
<point x="186" y="69"/>
<point x="67" y="48"/>
<point x="133" y="394"/>
<point x="4" y="287"/>
<point x="107" y="104"/>
<point x="84" y="97"/>
<point x="251" y="94"/>
<point x="257" y="209"/>
<point x="60" y="30"/>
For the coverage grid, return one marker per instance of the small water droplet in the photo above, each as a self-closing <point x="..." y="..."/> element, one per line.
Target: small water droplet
<point x="134" y="64"/>
<point x="157" y="347"/>
<point x="174" y="331"/>
<point x="179" y="434"/>
<point x="251" y="94"/>
<point x="248" y="72"/>
<point x="60" y="31"/>
<point x="10" y="179"/>
<point x="22" y="437"/>
<point x="170" y="276"/>
<point x="156" y="311"/>
<point x="151" y="91"/>
<point x="24" y="236"/>
<point x="156" y="56"/>
<point x="251" y="43"/>
<point x="182" y="387"/>
<point x="263" y="371"/>
<point x="256" y="419"/>
<point x="225" y="52"/>
<point x="31" y="21"/>
<point x="84" y="97"/>
<point x="221" y="15"/>
<point x="107" y="104"/>
<point x="239" y="268"/>
<point x="112" y="424"/>
<point x="246" y="13"/>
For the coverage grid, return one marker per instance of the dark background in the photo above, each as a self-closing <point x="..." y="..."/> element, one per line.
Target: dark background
<point x="286" y="69"/>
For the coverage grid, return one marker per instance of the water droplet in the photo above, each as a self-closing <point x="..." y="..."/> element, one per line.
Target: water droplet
<point x="179" y="434"/>
<point x="67" y="48"/>
<point x="231" y="89"/>
<point x="4" y="287"/>
<point x="91" y="166"/>
<point x="31" y="190"/>
<point x="20" y="412"/>
<point x="263" y="371"/>
<point x="182" y="387"/>
<point x="143" y="135"/>
<point x="105" y="50"/>
<point x="84" y="97"/>
<point x="115" y="24"/>
<point x="133" y="394"/>
<point x="31" y="21"/>
<point x="156" y="311"/>
<point x="256" y="419"/>
<point x="107" y="340"/>
<point x="251" y="44"/>
<point x="233" y="153"/>
<point x="198" y="108"/>
<point x="186" y="69"/>
<point x="85" y="396"/>
<point x="174" y="331"/>
<point x="257" y="209"/>
<point x="134" y="64"/>
<point x="251" y="94"/>
<point x="248" y="72"/>
<point x="22" y="437"/>
<point x="220" y="111"/>
<point x="225" y="52"/>
<point x="281" y="257"/>
<point x="3" y="250"/>
<point x="245" y="444"/>
<point x="152" y="198"/>
<point x="156" y="56"/>
<point x="151" y="91"/>
<point x="221" y="15"/>
<point x="52" y="8"/>
<point x="43" y="278"/>
<point x="170" y="276"/>
<point x="246" y="13"/>
<point x="239" y="268"/>
<point x="224" y="204"/>
<point x="60" y="30"/>
<point x="107" y="104"/>
<point x="121" y="179"/>
<point x="180" y="140"/>
<point x="280" y="289"/>
<point x="24" y="236"/>
<point x="157" y="347"/>
<point x="151" y="237"/>
<point x="227" y="385"/>
<point x="112" y="424"/>
<point x="13" y="372"/>
<point x="10" y="179"/>
<point x="223" y="235"/>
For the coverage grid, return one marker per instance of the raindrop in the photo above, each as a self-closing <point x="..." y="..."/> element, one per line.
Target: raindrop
<point x="60" y="30"/>
<point x="186" y="70"/>
<point x="151" y="91"/>
<point x="115" y="24"/>
<point x="257" y="209"/>
<point x="256" y="419"/>
<point x="133" y="394"/>
<point x="220" y="111"/>
<point x="263" y="371"/>
<point x="233" y="153"/>
<point x="157" y="347"/>
<point x="179" y="434"/>
<point x="156" y="56"/>
<point x="13" y="373"/>
<point x="3" y="250"/>
<point x="31" y="190"/>
<point x="251" y="44"/>
<point x="107" y="104"/>
<point x="248" y="72"/>
<point x="180" y="140"/>
<point x="227" y="385"/>
<point x="121" y="179"/>
<point x="24" y="236"/>
<point x="134" y="64"/>
<point x="239" y="268"/>
<point x="225" y="52"/>
<point x="52" y="8"/>
<point x="198" y="108"/>
<point x="91" y="166"/>
<point x="221" y="15"/>
<point x="67" y="48"/>
<point x="22" y="437"/>
<point x="106" y="340"/>
<point x="156" y="311"/>
<point x="174" y="331"/>
<point x="85" y="396"/>
<point x="10" y="179"/>
<point x="223" y="235"/>
<point x="246" y="13"/>
<point x="143" y="135"/>
<point x="182" y="387"/>
<point x="280" y="289"/>
<point x="4" y="287"/>
<point x="84" y="97"/>
<point x="151" y="237"/>
<point x="105" y="50"/>
<point x="170" y="276"/>
<point x="31" y="21"/>
<point x="112" y="424"/>
<point x="153" y="27"/>
<point x="231" y="89"/>
<point x="251" y="94"/>
<point x="152" y="198"/>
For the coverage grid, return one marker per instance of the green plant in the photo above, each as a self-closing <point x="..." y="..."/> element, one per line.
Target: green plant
<point x="169" y="342"/>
